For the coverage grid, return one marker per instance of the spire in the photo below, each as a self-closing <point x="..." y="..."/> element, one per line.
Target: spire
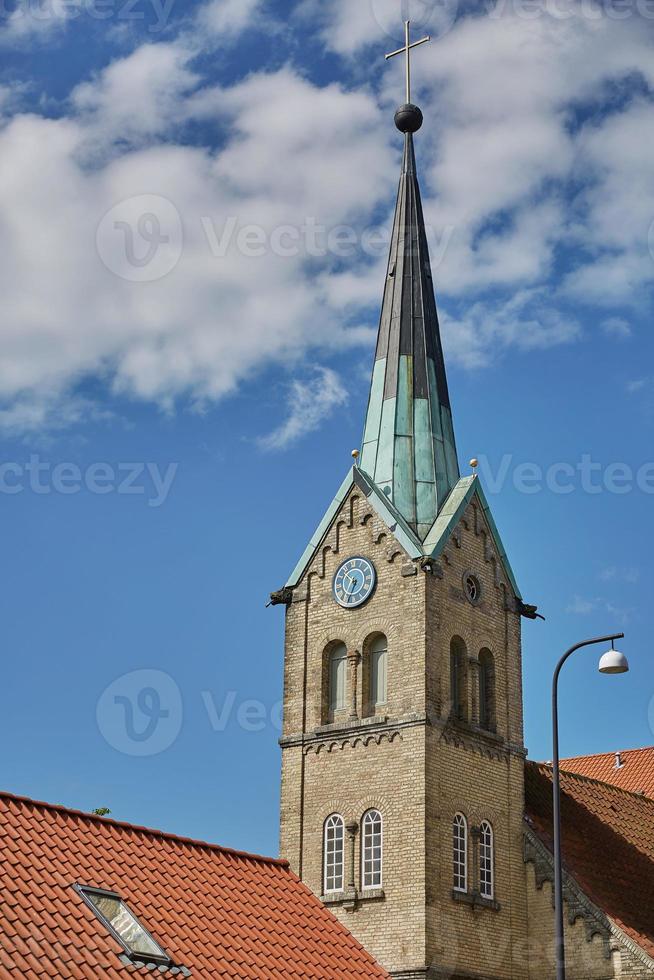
<point x="408" y="444"/>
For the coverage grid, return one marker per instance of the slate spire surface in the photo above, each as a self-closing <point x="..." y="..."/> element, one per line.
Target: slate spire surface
<point x="409" y="450"/>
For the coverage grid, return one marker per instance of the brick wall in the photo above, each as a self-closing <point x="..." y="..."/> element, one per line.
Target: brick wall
<point x="349" y="767"/>
<point x="468" y="771"/>
<point x="411" y="763"/>
<point x="418" y="765"/>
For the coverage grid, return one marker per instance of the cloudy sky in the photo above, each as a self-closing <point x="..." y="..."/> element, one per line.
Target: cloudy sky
<point x="194" y="212"/>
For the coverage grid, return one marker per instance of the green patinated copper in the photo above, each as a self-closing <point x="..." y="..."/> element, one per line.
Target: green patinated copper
<point x="408" y="468"/>
<point x="408" y="444"/>
<point x="435" y="541"/>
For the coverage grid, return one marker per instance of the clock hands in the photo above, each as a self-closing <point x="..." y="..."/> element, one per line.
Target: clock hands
<point x="353" y="585"/>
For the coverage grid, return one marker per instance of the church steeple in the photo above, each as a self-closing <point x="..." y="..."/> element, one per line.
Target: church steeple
<point x="402" y="685"/>
<point x="408" y="444"/>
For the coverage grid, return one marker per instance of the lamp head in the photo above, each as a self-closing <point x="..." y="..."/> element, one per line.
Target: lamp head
<point x="613" y="662"/>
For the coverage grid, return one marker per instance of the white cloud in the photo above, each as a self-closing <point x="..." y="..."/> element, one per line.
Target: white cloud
<point x="29" y="21"/>
<point x="346" y="27"/>
<point x="137" y="97"/>
<point x="511" y="177"/>
<point x="615" y="326"/>
<point x="46" y="411"/>
<point x="618" y="209"/>
<point x="213" y="320"/>
<point x="581" y="607"/>
<point x="226" y="19"/>
<point x="309" y="403"/>
<point x="216" y="22"/>
<point x="501" y="94"/>
<point x="527" y="321"/>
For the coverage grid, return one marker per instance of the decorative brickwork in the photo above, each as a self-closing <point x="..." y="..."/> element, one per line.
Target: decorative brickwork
<point x="414" y="762"/>
<point x="419" y="762"/>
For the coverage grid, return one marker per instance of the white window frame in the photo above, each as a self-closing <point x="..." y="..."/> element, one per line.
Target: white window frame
<point x="377" y="654"/>
<point x="337" y="693"/>
<point x="372" y="879"/>
<point x="486" y="861"/>
<point x="331" y="881"/>
<point x="460" y="853"/>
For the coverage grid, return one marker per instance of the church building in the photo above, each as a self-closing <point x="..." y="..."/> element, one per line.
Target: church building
<point x="416" y="837"/>
<point x="408" y="805"/>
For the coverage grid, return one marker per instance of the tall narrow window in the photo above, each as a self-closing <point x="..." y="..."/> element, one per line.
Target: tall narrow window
<point x="460" y="853"/>
<point x="337" y="677"/>
<point x="486" y="861"/>
<point x="371" y="849"/>
<point x="334" y="851"/>
<point x="458" y="678"/>
<point x="378" y="671"/>
<point x="487" y="691"/>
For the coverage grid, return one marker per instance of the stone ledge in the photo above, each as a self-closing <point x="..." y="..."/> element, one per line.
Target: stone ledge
<point x="350" y="899"/>
<point x="364" y="726"/>
<point x="464" y="735"/>
<point x="351" y="725"/>
<point x="476" y="901"/>
<point x="467" y="728"/>
<point x="437" y="972"/>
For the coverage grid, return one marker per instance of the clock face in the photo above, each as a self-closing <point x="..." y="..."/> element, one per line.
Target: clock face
<point x="354" y="582"/>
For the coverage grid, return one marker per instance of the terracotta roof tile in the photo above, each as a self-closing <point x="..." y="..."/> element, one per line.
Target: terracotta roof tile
<point x="607" y="843"/>
<point x="632" y="770"/>
<point x="216" y="912"/>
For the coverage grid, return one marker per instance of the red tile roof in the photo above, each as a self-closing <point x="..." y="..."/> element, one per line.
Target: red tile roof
<point x="217" y="912"/>
<point x="608" y="845"/>
<point x="635" y="773"/>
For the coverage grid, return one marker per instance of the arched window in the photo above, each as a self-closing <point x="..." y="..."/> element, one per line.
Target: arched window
<point x="378" y="671"/>
<point x="460" y="853"/>
<point x="334" y="852"/>
<point x="486" y="861"/>
<point x="337" y="677"/>
<point x="459" y="678"/>
<point x="371" y="849"/>
<point x="487" y="691"/>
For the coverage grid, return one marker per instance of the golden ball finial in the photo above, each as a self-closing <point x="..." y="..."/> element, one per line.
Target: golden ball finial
<point x="355" y="454"/>
<point x="474" y="463"/>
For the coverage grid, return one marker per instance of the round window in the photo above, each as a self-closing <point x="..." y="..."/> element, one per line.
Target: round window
<point x="472" y="587"/>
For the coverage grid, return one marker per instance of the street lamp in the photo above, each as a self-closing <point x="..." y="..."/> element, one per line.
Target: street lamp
<point x="612" y="662"/>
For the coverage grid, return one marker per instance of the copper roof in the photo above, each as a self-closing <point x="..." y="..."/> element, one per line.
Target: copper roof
<point x="408" y="449"/>
<point x="216" y="912"/>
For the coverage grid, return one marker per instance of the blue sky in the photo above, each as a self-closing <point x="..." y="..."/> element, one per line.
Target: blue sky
<point x="173" y="425"/>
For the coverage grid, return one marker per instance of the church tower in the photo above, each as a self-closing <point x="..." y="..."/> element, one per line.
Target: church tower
<point x="403" y="760"/>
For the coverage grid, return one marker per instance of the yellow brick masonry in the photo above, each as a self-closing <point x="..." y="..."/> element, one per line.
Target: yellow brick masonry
<point x="415" y="764"/>
<point x="595" y="958"/>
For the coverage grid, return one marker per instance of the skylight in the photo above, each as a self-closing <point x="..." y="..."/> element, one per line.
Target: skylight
<point x="123" y="925"/>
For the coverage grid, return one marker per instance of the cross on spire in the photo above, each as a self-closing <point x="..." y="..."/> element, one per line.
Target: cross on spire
<point x="408" y="46"/>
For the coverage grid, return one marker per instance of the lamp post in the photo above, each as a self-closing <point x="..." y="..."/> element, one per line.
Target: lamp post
<point x="612" y="662"/>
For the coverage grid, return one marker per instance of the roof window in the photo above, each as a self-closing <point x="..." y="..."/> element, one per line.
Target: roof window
<point x="123" y="925"/>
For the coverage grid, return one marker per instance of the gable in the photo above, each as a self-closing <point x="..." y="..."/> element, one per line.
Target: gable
<point x="452" y="513"/>
<point x="438" y="537"/>
<point x="382" y="507"/>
